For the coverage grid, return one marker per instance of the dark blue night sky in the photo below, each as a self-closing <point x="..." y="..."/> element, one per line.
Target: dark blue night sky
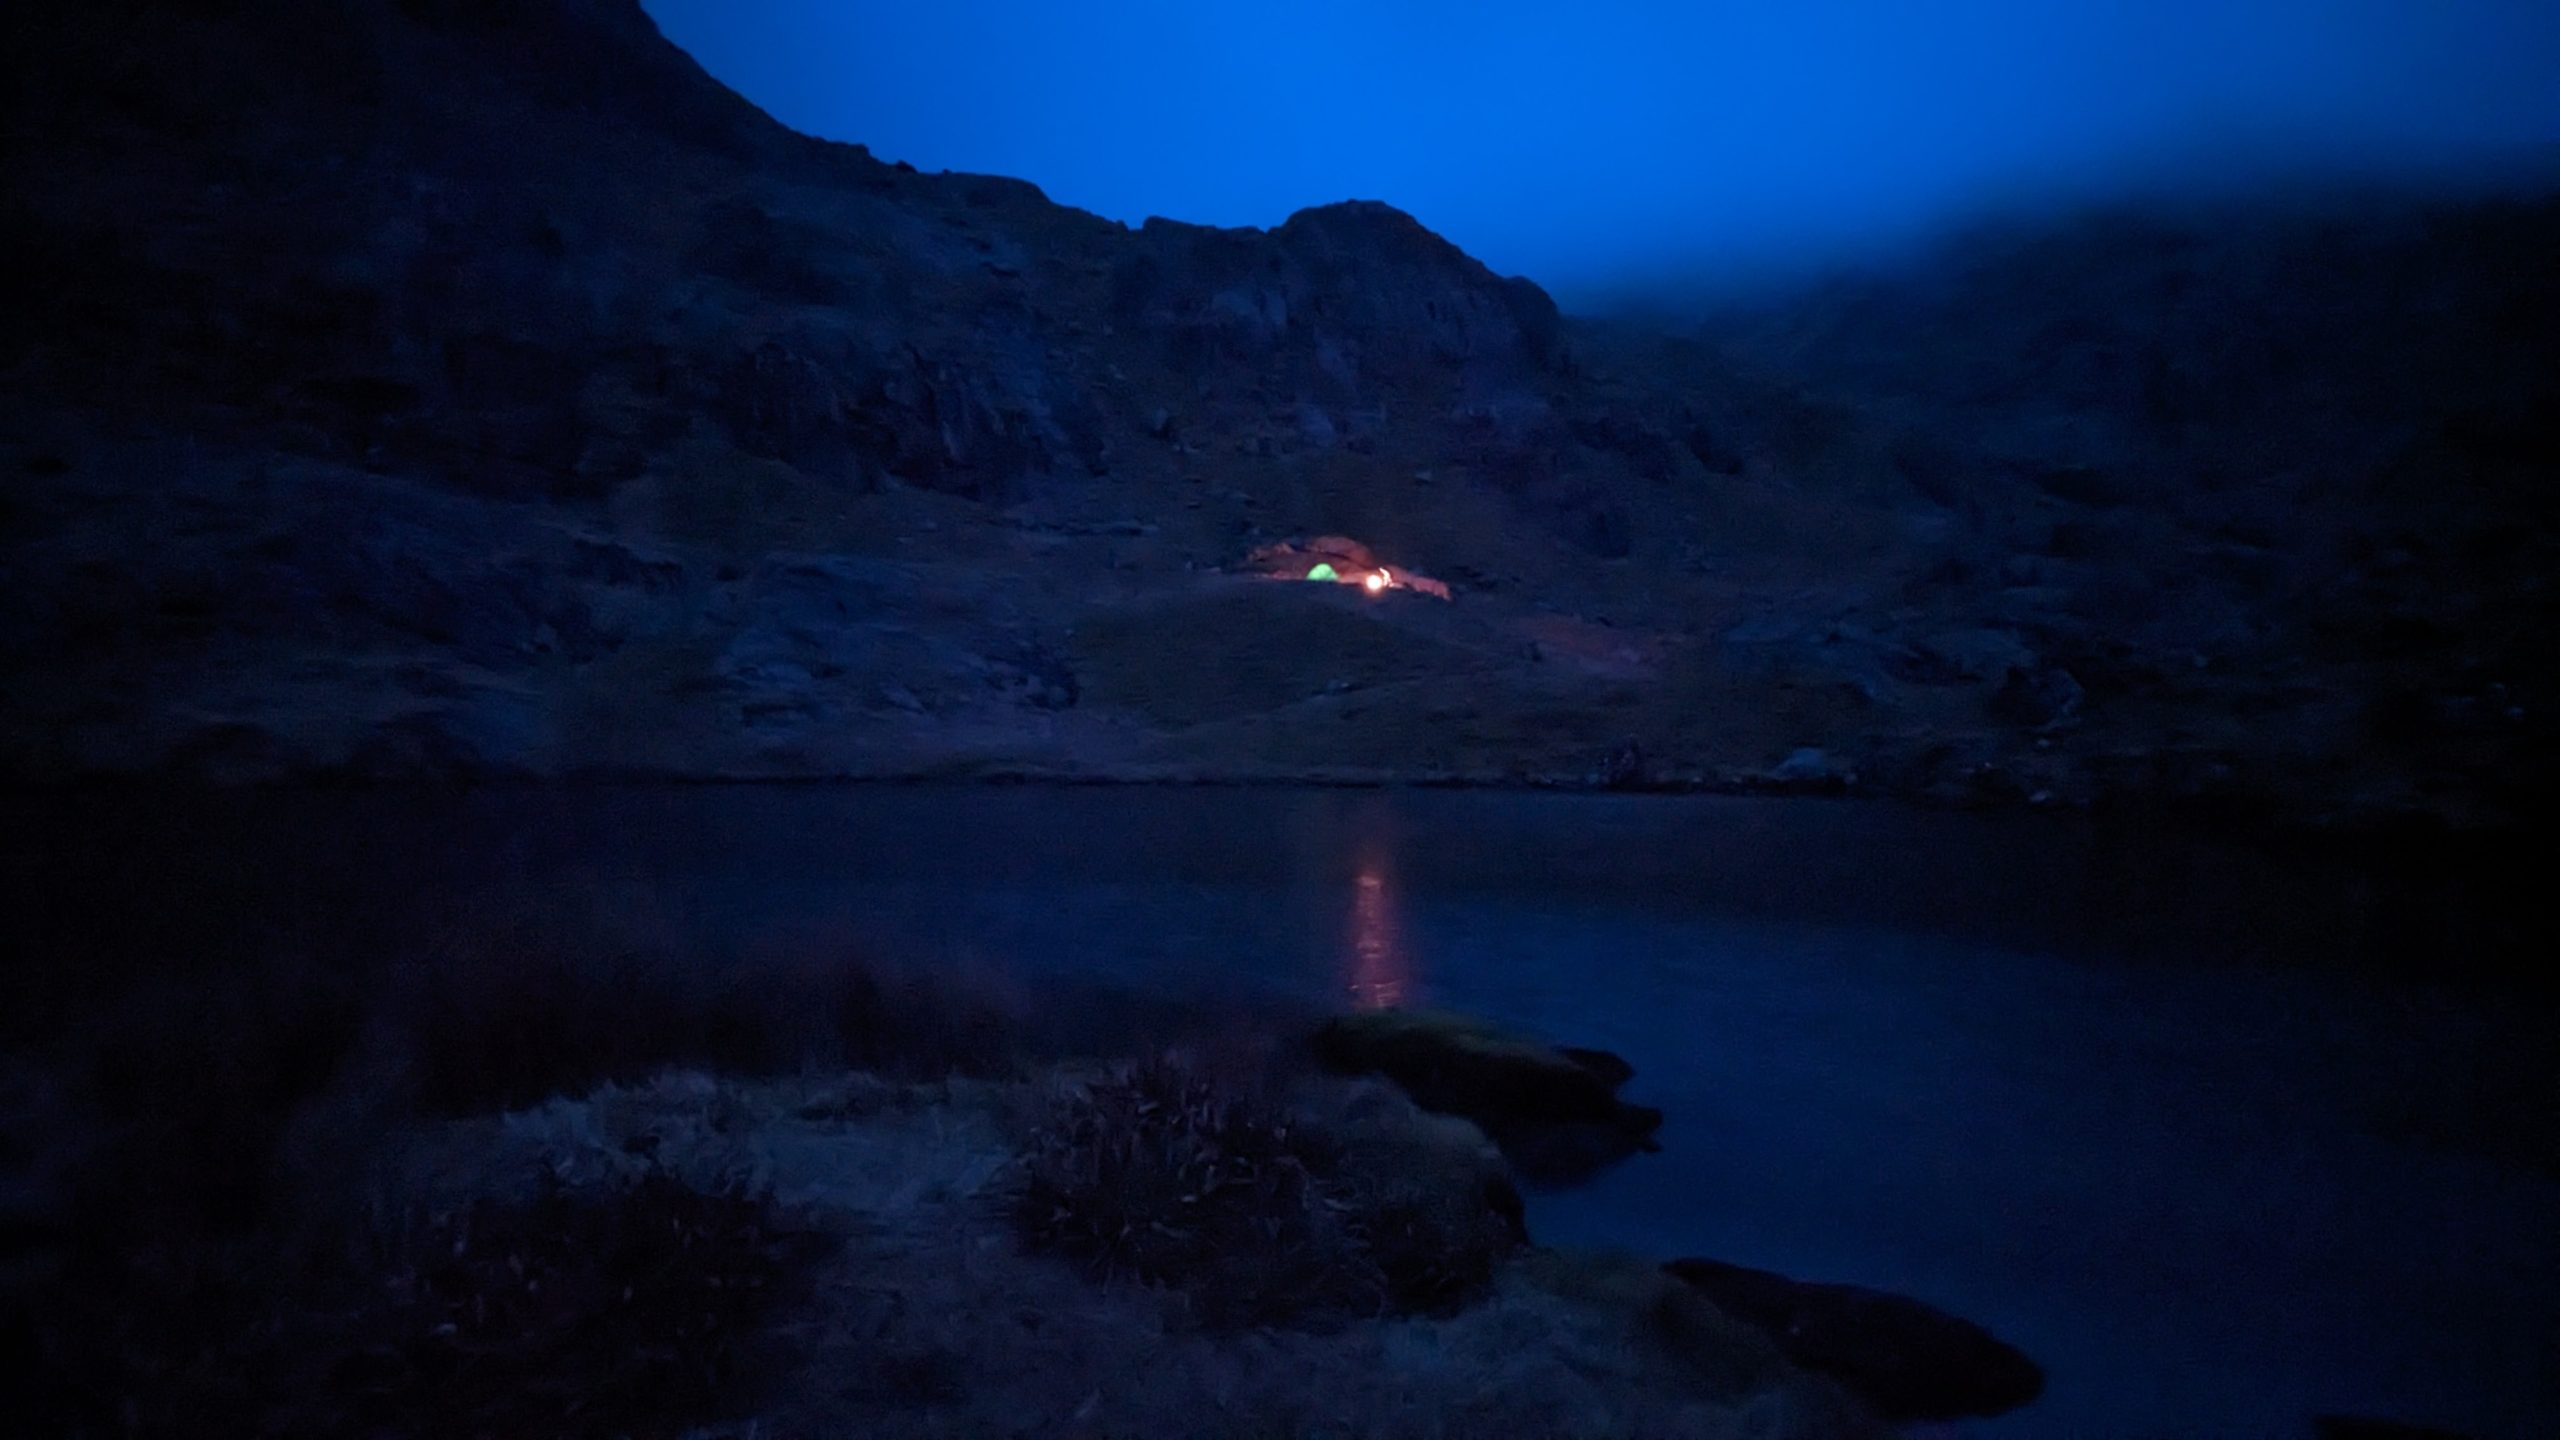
<point x="1603" y="140"/>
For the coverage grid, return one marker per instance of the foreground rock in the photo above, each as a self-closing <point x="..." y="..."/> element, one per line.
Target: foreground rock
<point x="1554" y="1111"/>
<point x="1909" y="1360"/>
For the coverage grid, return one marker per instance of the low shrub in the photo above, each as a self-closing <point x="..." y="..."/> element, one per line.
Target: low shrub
<point x="1215" y="1189"/>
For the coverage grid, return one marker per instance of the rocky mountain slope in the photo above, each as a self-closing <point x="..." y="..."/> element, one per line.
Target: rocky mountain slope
<point x="444" y="387"/>
<point x="2289" y="468"/>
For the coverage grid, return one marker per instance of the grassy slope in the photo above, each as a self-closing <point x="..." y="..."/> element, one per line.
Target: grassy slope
<point x="932" y="1321"/>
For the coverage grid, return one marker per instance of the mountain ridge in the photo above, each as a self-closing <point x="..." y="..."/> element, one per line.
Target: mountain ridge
<point x="419" y="388"/>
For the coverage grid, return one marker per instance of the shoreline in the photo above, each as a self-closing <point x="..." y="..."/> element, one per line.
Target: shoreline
<point x="2270" y="820"/>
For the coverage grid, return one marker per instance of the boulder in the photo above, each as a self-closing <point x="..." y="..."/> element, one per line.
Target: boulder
<point x="1607" y="1066"/>
<point x="2044" y="699"/>
<point x="1812" y="768"/>
<point x="1556" y="1155"/>
<point x="1726" y="1359"/>
<point x="1909" y="1360"/>
<point x="1459" y="1066"/>
<point x="1555" y="1113"/>
<point x="1973" y="654"/>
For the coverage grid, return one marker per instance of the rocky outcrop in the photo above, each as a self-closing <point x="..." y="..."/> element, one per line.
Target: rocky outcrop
<point x="1555" y="1112"/>
<point x="1908" y="1360"/>
<point x="2220" y="471"/>
<point x="1340" y="302"/>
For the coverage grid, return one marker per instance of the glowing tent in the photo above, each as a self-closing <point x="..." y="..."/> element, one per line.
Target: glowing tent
<point x="1339" y="560"/>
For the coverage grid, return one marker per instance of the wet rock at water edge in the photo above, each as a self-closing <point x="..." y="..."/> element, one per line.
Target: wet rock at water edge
<point x="1607" y="1066"/>
<point x="1909" y="1360"/>
<point x="1554" y="1112"/>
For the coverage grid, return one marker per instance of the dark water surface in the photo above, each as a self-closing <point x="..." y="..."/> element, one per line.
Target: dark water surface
<point x="2223" y="1138"/>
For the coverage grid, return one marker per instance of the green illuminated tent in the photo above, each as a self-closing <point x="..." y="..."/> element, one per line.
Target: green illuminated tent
<point x="1323" y="571"/>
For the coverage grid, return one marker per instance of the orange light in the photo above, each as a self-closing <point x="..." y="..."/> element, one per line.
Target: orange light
<point x="1376" y="582"/>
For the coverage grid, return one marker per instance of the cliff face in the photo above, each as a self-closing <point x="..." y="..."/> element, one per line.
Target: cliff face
<point x="444" y="386"/>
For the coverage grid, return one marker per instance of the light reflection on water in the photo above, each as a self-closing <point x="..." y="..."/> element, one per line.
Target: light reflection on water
<point x="1381" y="966"/>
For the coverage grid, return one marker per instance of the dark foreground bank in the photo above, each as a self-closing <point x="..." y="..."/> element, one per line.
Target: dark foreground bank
<point x="2221" y="1138"/>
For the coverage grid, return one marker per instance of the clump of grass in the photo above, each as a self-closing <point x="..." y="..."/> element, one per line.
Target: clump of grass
<point x="1214" y="1189"/>
<point x="624" y="1309"/>
<point x="606" y="1310"/>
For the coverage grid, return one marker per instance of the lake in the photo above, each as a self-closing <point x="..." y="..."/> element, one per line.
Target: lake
<point x="2223" y="1135"/>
